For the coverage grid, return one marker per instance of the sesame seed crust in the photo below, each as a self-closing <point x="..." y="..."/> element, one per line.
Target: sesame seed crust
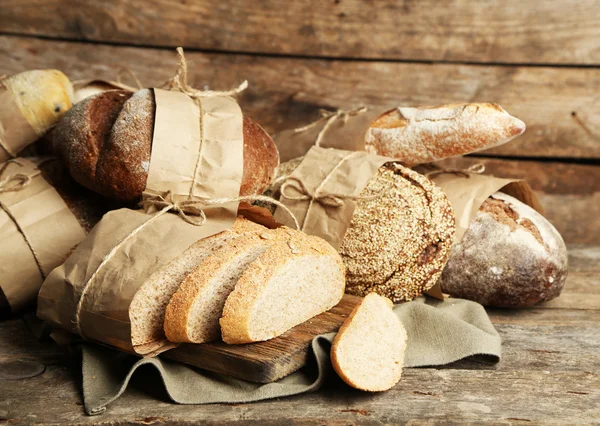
<point x="399" y="241"/>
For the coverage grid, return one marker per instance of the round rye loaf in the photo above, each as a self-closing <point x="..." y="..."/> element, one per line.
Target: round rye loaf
<point x="510" y="256"/>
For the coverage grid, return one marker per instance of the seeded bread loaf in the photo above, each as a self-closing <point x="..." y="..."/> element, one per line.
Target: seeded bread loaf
<point x="368" y="350"/>
<point x="106" y="141"/>
<point x="510" y="256"/>
<point x="423" y="135"/>
<point x="147" y="309"/>
<point x="400" y="235"/>
<point x="42" y="97"/>
<point x="289" y="283"/>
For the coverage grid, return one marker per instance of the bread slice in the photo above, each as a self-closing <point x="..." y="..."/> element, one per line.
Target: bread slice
<point x="147" y="309"/>
<point x="289" y="283"/>
<point x="368" y="351"/>
<point x="193" y="313"/>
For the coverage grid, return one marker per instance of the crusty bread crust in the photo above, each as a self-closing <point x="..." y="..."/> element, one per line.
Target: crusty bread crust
<point x="384" y="306"/>
<point x="426" y="134"/>
<point x="510" y="257"/>
<point x="261" y="159"/>
<point x="237" y="315"/>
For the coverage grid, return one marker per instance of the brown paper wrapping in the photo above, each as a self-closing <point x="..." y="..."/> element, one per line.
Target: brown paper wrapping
<point x="15" y="131"/>
<point x="38" y="212"/>
<point x="324" y="172"/>
<point x="85" y="88"/>
<point x="343" y="133"/>
<point x="133" y="244"/>
<point x="467" y="192"/>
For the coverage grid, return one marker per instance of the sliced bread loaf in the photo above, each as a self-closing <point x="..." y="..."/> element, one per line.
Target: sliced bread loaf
<point x="368" y="351"/>
<point x="147" y="309"/>
<point x="193" y="313"/>
<point x="289" y="283"/>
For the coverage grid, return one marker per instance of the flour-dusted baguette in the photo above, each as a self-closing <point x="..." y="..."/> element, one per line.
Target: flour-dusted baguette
<point x="289" y="283"/>
<point x="426" y="134"/>
<point x="194" y="310"/>
<point x="147" y="309"/>
<point x="510" y="256"/>
<point x="400" y="235"/>
<point x="368" y="351"/>
<point x="106" y="141"/>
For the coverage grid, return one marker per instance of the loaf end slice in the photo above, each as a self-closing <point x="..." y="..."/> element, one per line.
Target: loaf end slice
<point x="147" y="309"/>
<point x="193" y="313"/>
<point x="289" y="283"/>
<point x="368" y="351"/>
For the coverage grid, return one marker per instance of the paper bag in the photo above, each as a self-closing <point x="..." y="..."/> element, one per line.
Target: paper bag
<point x="37" y="231"/>
<point x="342" y="130"/>
<point x="85" y="88"/>
<point x="198" y="159"/>
<point x="15" y="131"/>
<point x="467" y="191"/>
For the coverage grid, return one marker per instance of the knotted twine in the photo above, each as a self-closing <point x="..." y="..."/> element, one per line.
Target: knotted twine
<point x="15" y="183"/>
<point x="158" y="205"/>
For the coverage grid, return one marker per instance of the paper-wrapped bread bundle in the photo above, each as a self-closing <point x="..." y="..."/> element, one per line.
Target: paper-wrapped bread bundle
<point x="106" y="142"/>
<point x="393" y="227"/>
<point x="43" y="216"/>
<point x="31" y="103"/>
<point x="505" y="253"/>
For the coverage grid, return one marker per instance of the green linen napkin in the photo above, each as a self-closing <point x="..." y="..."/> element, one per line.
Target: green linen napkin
<point x="438" y="333"/>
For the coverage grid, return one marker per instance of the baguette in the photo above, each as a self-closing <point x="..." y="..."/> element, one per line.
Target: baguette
<point x="368" y="351"/>
<point x="426" y="134"/>
<point x="289" y="283"/>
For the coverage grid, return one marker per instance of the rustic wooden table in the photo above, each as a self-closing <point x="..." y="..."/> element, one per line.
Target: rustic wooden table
<point x="548" y="374"/>
<point x="539" y="60"/>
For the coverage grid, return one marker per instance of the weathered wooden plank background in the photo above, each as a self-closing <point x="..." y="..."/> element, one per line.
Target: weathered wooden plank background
<point x="538" y="59"/>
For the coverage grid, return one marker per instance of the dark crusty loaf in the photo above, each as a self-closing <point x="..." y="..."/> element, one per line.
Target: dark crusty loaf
<point x="106" y="141"/>
<point x="399" y="241"/>
<point x="510" y="256"/>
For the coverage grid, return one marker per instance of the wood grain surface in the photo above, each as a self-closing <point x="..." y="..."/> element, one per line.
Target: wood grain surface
<point x="561" y="106"/>
<point x="549" y="374"/>
<point x="265" y="362"/>
<point x="491" y="31"/>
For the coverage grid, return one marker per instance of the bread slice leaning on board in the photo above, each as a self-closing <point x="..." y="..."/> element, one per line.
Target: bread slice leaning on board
<point x="368" y="351"/>
<point x="426" y="134"/>
<point x="147" y="309"/>
<point x="245" y="266"/>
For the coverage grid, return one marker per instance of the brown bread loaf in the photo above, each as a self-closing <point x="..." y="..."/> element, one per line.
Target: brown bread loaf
<point x="400" y="235"/>
<point x="106" y="141"/>
<point x="426" y="134"/>
<point x="510" y="256"/>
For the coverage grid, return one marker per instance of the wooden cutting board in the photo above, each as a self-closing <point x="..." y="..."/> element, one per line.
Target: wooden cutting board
<point x="265" y="362"/>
